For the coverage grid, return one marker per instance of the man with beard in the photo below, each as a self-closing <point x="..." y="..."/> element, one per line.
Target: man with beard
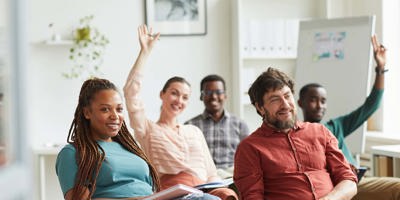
<point x="222" y="130"/>
<point x="313" y="102"/>
<point x="286" y="158"/>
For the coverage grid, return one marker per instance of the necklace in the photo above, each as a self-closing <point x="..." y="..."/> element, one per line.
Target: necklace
<point x="173" y="128"/>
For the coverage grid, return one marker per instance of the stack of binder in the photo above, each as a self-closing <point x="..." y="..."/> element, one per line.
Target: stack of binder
<point x="276" y="38"/>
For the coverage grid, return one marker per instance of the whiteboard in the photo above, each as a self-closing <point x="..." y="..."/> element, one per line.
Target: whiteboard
<point x="336" y="53"/>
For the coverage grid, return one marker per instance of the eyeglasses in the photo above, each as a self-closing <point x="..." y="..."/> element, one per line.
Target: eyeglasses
<point x="211" y="92"/>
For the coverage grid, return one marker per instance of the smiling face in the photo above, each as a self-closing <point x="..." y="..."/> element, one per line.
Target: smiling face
<point x="279" y="109"/>
<point x="213" y="96"/>
<point x="105" y="113"/>
<point x="313" y="104"/>
<point x="175" y="98"/>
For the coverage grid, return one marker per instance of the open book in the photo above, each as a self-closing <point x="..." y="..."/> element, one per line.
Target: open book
<point x="172" y="192"/>
<point x="218" y="184"/>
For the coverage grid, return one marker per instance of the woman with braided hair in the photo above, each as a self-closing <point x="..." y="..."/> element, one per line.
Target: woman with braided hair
<point x="102" y="159"/>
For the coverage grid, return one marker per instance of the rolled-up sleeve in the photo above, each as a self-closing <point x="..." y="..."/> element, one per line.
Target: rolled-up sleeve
<point x="248" y="175"/>
<point x="336" y="162"/>
<point x="134" y="105"/>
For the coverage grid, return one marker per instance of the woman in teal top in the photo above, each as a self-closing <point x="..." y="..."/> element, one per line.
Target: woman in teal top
<point x="102" y="159"/>
<point x="122" y="173"/>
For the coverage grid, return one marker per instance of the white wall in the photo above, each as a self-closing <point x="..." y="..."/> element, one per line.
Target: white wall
<point x="52" y="98"/>
<point x="391" y="32"/>
<point x="387" y="30"/>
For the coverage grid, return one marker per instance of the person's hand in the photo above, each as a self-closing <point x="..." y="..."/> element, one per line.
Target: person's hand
<point x="146" y="38"/>
<point x="325" y="198"/>
<point x="379" y="53"/>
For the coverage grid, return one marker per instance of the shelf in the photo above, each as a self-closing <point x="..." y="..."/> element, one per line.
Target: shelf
<point x="48" y="149"/>
<point x="57" y="42"/>
<point x="268" y="57"/>
<point x="265" y="35"/>
<point x="387" y="150"/>
<point x="386" y="160"/>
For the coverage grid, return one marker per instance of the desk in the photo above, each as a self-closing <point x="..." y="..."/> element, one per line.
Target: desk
<point x="41" y="153"/>
<point x="392" y="151"/>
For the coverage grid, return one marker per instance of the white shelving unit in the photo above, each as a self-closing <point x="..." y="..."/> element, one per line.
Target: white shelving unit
<point x="58" y="42"/>
<point x="49" y="42"/>
<point x="389" y="151"/>
<point x="247" y="67"/>
<point x="47" y="176"/>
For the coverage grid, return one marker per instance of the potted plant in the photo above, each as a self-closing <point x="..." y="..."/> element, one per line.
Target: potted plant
<point x="87" y="50"/>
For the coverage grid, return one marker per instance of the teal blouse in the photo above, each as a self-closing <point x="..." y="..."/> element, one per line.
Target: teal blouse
<point x="122" y="173"/>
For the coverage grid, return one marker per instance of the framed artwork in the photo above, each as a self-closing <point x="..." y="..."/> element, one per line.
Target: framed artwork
<point x="177" y="17"/>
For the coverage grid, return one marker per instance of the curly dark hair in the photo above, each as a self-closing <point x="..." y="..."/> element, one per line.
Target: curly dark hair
<point x="270" y="80"/>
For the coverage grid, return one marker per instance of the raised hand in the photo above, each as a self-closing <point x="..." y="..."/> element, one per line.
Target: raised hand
<point x="379" y="53"/>
<point x="146" y="38"/>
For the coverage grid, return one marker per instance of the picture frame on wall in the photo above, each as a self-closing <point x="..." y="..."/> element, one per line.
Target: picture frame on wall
<point x="177" y="17"/>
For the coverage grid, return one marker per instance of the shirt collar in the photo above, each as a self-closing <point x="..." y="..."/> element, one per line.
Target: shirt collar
<point x="268" y="131"/>
<point x="207" y="115"/>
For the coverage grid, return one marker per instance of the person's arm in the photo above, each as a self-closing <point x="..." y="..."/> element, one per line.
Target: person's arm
<point x="345" y="190"/>
<point x="380" y="59"/>
<point x="248" y="175"/>
<point x="350" y="122"/>
<point x="133" y="83"/>
<point x="212" y="175"/>
<point x="66" y="169"/>
<point x="341" y="173"/>
<point x="147" y="41"/>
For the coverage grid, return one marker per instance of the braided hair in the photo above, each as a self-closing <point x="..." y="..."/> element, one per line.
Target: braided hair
<point x="89" y="154"/>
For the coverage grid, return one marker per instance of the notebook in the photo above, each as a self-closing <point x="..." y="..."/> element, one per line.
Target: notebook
<point x="217" y="184"/>
<point x="173" y="192"/>
<point x="360" y="173"/>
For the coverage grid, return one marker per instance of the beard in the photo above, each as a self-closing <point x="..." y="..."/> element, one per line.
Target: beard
<point x="279" y="124"/>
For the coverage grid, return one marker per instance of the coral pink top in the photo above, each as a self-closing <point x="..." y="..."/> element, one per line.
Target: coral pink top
<point x="169" y="151"/>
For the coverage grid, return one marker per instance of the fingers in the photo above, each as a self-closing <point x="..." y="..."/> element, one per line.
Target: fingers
<point x="157" y="36"/>
<point x="382" y="48"/>
<point x="142" y="29"/>
<point x="375" y="43"/>
<point x="148" y="32"/>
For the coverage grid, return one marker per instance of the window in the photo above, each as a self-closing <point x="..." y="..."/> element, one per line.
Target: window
<point x="390" y="33"/>
<point x="14" y="169"/>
